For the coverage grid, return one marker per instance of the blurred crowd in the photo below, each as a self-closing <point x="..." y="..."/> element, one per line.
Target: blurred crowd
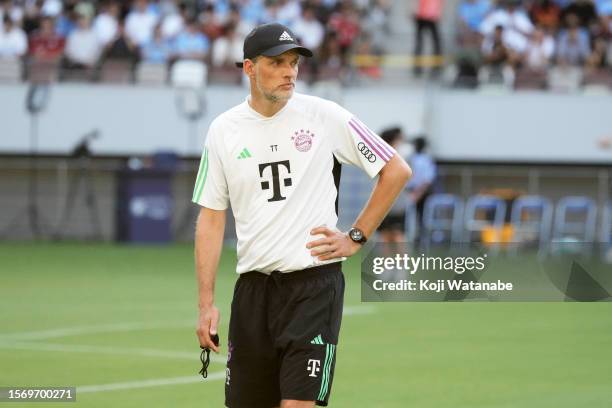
<point x="523" y="43"/>
<point x="536" y="43"/>
<point x="85" y="35"/>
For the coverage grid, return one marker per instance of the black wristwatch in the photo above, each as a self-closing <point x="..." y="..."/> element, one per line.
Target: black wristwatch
<point x="357" y="235"/>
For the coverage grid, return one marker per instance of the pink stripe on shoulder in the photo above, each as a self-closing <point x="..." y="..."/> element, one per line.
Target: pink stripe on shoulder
<point x="367" y="141"/>
<point x="371" y="140"/>
<point x="382" y="144"/>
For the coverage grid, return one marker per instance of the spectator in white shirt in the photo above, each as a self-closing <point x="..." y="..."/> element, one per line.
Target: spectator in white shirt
<point x="174" y="22"/>
<point x="289" y="11"/>
<point x="13" y="41"/>
<point x="140" y="23"/>
<point x="227" y="49"/>
<point x="52" y="8"/>
<point x="105" y="24"/>
<point x="243" y="26"/>
<point x="515" y="23"/>
<point x="540" y="51"/>
<point x="82" y="47"/>
<point x="309" y="30"/>
<point x="7" y="8"/>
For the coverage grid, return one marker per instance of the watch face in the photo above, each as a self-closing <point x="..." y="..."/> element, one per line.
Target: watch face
<point x="356" y="235"/>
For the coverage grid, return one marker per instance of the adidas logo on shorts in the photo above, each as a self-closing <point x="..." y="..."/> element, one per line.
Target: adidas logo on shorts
<point x="285" y="37"/>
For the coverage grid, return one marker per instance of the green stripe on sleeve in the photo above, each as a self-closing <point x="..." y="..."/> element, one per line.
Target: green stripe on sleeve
<point x="201" y="177"/>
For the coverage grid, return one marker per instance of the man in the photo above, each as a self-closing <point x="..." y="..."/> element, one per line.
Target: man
<point x="140" y="22"/>
<point x="276" y="158"/>
<point x="427" y="17"/>
<point x="425" y="170"/>
<point x="191" y="43"/>
<point x="515" y="23"/>
<point x="13" y="41"/>
<point x="83" y="48"/>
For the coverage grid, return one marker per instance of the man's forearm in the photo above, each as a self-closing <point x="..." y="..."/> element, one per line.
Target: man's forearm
<point x="391" y="181"/>
<point x="210" y="227"/>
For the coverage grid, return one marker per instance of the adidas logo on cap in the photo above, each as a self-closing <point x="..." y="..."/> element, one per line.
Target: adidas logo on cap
<point x="285" y="37"/>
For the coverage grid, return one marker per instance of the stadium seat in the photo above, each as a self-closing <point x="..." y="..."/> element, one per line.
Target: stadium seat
<point x="531" y="219"/>
<point x="43" y="71"/>
<point x="151" y="74"/>
<point x="599" y="79"/>
<point x="188" y="74"/>
<point x="575" y="219"/>
<point x="117" y="71"/>
<point x="564" y="79"/>
<point x="481" y="212"/>
<point x="224" y="75"/>
<point x="10" y="70"/>
<point x="596" y="89"/>
<point x="501" y="79"/>
<point x="441" y="215"/>
<point x="530" y="80"/>
<point x="76" y="75"/>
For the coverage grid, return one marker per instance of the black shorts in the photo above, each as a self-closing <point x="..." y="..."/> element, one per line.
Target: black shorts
<point x="283" y="335"/>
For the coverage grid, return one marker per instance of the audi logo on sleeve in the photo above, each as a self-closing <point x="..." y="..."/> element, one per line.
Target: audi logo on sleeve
<point x="366" y="152"/>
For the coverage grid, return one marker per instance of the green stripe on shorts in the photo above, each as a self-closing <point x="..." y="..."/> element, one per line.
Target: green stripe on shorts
<point x="329" y="358"/>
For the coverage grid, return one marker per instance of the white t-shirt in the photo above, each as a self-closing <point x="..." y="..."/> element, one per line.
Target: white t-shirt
<point x="172" y="25"/>
<point x="83" y="46"/>
<point x="139" y="26"/>
<point x="310" y="32"/>
<point x="14" y="43"/>
<point x="538" y="55"/>
<point x="278" y="173"/>
<point x="516" y="28"/>
<point x="105" y="26"/>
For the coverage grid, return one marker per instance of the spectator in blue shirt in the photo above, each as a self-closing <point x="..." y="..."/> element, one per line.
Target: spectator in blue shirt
<point x="573" y="45"/>
<point x="253" y="12"/>
<point x="473" y="12"/>
<point x="157" y="50"/>
<point x="424" y="174"/>
<point x="191" y="43"/>
<point x="66" y="21"/>
<point x="604" y="7"/>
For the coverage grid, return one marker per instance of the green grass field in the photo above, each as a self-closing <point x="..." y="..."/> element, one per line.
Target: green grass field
<point x="118" y="322"/>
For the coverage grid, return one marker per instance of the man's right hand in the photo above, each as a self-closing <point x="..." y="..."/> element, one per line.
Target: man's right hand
<point x="207" y="327"/>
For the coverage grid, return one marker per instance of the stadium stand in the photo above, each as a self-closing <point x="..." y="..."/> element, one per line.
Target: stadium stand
<point x="523" y="44"/>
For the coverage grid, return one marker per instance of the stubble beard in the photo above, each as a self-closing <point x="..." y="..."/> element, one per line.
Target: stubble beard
<point x="271" y="96"/>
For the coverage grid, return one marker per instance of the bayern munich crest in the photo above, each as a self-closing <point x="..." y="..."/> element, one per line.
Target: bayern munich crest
<point x="302" y="140"/>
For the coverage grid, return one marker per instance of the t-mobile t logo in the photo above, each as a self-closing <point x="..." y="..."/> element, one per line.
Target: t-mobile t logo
<point x="276" y="185"/>
<point x="314" y="366"/>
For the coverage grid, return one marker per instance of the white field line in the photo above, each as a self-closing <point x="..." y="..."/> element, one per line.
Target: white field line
<point x="348" y="311"/>
<point x="76" y="348"/>
<point x="149" y="383"/>
<point x="93" y="329"/>
<point x="133" y="326"/>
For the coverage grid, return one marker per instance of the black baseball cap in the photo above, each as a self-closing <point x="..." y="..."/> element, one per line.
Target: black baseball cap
<point x="271" y="39"/>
